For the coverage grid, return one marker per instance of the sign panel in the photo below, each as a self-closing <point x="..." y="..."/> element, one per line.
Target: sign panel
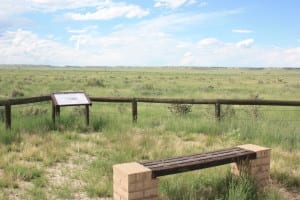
<point x="70" y="99"/>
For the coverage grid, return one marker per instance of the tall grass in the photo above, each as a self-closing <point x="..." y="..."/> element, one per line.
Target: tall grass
<point x="206" y="185"/>
<point x="159" y="132"/>
<point x="8" y="136"/>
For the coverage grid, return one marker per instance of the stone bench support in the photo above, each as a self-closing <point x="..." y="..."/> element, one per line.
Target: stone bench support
<point x="133" y="181"/>
<point x="258" y="169"/>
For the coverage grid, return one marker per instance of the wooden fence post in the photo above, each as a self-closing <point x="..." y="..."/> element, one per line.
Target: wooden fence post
<point x="57" y="110"/>
<point x="53" y="112"/>
<point x="218" y="111"/>
<point x="8" y="115"/>
<point x="87" y="114"/>
<point x="134" y="110"/>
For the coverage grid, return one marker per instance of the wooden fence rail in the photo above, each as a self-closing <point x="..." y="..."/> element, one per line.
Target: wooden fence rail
<point x="134" y="102"/>
<point x="198" y="101"/>
<point x="25" y="100"/>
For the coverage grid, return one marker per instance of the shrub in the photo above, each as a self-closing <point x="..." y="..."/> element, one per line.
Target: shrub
<point x="180" y="109"/>
<point x="16" y="93"/>
<point x="148" y="89"/>
<point x="227" y="111"/>
<point x="96" y="83"/>
<point x="253" y="109"/>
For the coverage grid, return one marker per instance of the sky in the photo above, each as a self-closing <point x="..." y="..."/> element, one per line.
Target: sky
<point x="209" y="33"/>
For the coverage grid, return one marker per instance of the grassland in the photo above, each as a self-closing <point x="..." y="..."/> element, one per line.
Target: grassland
<point x="71" y="161"/>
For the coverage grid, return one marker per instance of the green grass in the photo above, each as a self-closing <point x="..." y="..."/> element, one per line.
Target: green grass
<point x="22" y="172"/>
<point x="209" y="185"/>
<point x="8" y="136"/>
<point x="52" y="158"/>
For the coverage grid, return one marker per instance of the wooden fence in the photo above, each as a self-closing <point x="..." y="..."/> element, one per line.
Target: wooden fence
<point x="134" y="102"/>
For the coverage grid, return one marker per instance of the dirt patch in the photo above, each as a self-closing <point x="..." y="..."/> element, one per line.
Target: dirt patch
<point x="67" y="175"/>
<point x="290" y="194"/>
<point x="287" y="193"/>
<point x="18" y="193"/>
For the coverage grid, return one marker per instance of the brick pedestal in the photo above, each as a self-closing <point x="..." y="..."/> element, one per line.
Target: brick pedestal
<point x="258" y="168"/>
<point x="133" y="181"/>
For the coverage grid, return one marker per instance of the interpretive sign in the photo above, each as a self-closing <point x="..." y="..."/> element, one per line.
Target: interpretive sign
<point x="70" y="99"/>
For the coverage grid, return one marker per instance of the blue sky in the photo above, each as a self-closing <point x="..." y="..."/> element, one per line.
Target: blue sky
<point x="257" y="33"/>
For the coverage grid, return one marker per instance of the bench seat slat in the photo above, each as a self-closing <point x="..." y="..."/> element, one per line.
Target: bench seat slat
<point x="208" y="154"/>
<point x="198" y="161"/>
<point x="196" y="157"/>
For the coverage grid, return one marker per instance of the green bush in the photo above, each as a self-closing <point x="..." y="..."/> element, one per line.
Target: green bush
<point x="180" y="109"/>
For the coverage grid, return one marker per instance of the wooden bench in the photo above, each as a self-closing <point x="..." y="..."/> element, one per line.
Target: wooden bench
<point x="139" y="180"/>
<point x="198" y="161"/>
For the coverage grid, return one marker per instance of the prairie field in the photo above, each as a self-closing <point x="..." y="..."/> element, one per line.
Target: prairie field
<point x="69" y="160"/>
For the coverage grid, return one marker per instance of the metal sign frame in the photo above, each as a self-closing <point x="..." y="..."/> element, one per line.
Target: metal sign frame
<point x="60" y="99"/>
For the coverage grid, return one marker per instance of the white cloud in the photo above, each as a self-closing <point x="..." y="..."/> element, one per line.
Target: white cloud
<point x="136" y="47"/>
<point x="208" y="42"/>
<point x="191" y="2"/>
<point x="24" y="47"/>
<point x="76" y="31"/>
<point x="245" y="43"/>
<point x="283" y="57"/>
<point x="173" y="22"/>
<point x="9" y="8"/>
<point x="242" y="31"/>
<point x="173" y="4"/>
<point x="54" y="5"/>
<point x="214" y="52"/>
<point x="82" y="30"/>
<point x="13" y="8"/>
<point x="80" y="36"/>
<point x="187" y="59"/>
<point x="203" y="4"/>
<point x="147" y="43"/>
<point x="110" y="10"/>
<point x="107" y="9"/>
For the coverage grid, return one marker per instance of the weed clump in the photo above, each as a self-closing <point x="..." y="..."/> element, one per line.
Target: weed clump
<point x="32" y="111"/>
<point x="240" y="188"/>
<point x="16" y="93"/>
<point x="253" y="110"/>
<point x="180" y="109"/>
<point x="96" y="83"/>
<point x="8" y="136"/>
<point x="228" y="111"/>
<point x="148" y="89"/>
<point x="23" y="172"/>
